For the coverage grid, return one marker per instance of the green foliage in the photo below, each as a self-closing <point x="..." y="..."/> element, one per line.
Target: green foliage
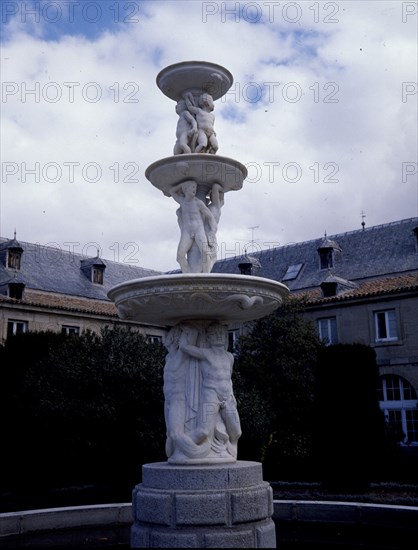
<point x="274" y="386"/>
<point x="81" y="409"/>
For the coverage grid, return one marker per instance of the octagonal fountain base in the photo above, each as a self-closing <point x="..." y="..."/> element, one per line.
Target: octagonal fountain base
<point x="217" y="506"/>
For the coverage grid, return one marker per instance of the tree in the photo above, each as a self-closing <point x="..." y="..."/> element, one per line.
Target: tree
<point x="82" y="409"/>
<point x="350" y="431"/>
<point x="274" y="386"/>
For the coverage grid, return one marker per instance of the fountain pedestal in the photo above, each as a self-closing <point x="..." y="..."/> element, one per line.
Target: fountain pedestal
<point x="216" y="506"/>
<point x="202" y="497"/>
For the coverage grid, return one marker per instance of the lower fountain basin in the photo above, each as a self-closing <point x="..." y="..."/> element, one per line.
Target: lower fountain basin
<point x="166" y="300"/>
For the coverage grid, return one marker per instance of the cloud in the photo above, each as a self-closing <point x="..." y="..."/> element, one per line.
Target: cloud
<point x="322" y="111"/>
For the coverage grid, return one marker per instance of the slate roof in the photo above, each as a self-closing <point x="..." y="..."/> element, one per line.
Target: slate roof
<point x="375" y="252"/>
<point x="54" y="270"/>
<point x="382" y="251"/>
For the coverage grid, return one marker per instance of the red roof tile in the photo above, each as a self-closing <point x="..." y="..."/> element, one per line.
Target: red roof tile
<point x="64" y="302"/>
<point x="374" y="287"/>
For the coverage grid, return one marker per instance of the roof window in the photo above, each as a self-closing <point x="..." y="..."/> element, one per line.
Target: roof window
<point x="292" y="272"/>
<point x="93" y="269"/>
<point x="327" y="252"/>
<point x="11" y="254"/>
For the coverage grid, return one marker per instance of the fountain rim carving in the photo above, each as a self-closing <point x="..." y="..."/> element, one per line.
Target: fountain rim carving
<point x="166" y="300"/>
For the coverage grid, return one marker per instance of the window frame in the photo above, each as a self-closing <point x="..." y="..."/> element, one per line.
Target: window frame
<point x="403" y="406"/>
<point x="97" y="275"/>
<point x="154" y="339"/>
<point x="326" y="258"/>
<point x="329" y="329"/>
<point x="232" y="339"/>
<point x="293" y="271"/>
<point x="70" y="329"/>
<point x="15" y="323"/>
<point x="389" y="339"/>
<point x="14" y="259"/>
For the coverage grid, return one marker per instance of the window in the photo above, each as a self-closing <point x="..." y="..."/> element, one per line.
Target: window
<point x="385" y="325"/>
<point x="68" y="329"/>
<point x="328" y="330"/>
<point x="329" y="289"/>
<point x="16" y="327"/>
<point x="13" y="260"/>
<point x="292" y="272"/>
<point x="16" y="290"/>
<point x="233" y="336"/>
<point x="97" y="275"/>
<point x="398" y="401"/>
<point x="325" y="258"/>
<point x="153" y="339"/>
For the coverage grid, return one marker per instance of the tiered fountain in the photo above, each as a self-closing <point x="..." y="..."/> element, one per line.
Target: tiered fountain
<point x="202" y="497"/>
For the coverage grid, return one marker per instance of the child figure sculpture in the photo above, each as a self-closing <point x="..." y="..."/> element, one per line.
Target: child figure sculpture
<point x="206" y="137"/>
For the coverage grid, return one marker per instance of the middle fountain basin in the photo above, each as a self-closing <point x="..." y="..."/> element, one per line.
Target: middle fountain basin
<point x="166" y="300"/>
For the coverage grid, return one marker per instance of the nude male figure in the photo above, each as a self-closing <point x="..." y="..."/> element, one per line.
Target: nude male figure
<point x="216" y="394"/>
<point x="214" y="203"/>
<point x="206" y="139"/>
<point x="186" y="131"/>
<point x="192" y="217"/>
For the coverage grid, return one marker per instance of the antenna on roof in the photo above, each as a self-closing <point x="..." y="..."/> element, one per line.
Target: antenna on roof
<point x="15" y="234"/>
<point x="363" y="223"/>
<point x="252" y="236"/>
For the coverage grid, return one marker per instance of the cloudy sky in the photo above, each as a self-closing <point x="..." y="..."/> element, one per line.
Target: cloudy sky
<point x="322" y="112"/>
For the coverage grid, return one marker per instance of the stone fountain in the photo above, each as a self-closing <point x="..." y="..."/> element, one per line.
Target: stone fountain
<point x="202" y="497"/>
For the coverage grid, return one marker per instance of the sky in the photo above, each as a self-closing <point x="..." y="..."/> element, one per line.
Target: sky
<point x="322" y="112"/>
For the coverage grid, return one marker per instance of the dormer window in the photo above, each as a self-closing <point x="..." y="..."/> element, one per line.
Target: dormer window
<point x="329" y="289"/>
<point x="334" y="286"/>
<point x="249" y="265"/>
<point x="327" y="251"/>
<point x="97" y="275"/>
<point x="325" y="258"/>
<point x="13" y="259"/>
<point x="93" y="269"/>
<point x="11" y="254"/>
<point x="16" y="290"/>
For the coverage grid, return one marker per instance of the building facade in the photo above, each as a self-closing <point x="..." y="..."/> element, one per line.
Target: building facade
<point x="360" y="286"/>
<point x="45" y="288"/>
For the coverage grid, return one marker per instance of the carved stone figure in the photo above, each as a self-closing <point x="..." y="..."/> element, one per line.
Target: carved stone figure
<point x="215" y="203"/>
<point x="186" y="131"/>
<point x="196" y="221"/>
<point x="206" y="138"/>
<point x="174" y="388"/>
<point x="218" y="422"/>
